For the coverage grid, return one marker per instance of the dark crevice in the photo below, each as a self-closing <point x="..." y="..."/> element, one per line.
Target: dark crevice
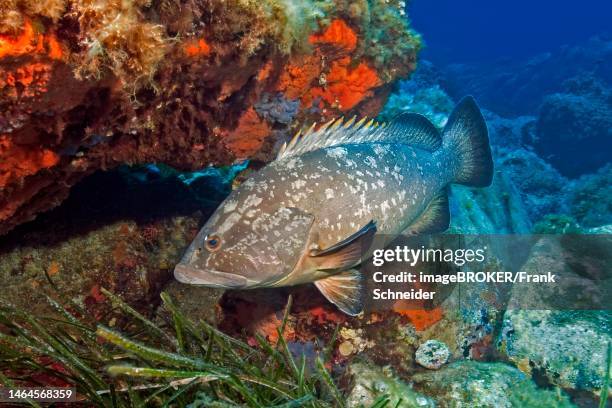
<point x="141" y="194"/>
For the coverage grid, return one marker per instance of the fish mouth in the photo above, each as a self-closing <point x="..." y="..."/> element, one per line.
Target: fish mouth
<point x="210" y="278"/>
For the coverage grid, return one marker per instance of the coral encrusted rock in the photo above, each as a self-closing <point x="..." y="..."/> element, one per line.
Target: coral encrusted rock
<point x="370" y="383"/>
<point x="88" y="85"/>
<point x="121" y="230"/>
<point x="432" y="354"/>
<point x="564" y="348"/>
<point x="476" y="384"/>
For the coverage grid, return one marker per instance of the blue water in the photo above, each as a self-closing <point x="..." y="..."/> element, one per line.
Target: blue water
<point x="540" y="70"/>
<point x="484" y="30"/>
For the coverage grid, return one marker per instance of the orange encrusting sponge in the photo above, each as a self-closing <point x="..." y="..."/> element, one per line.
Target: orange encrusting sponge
<point x="249" y="124"/>
<point x="197" y="48"/>
<point x="347" y="86"/>
<point x="30" y="42"/>
<point x="343" y="86"/>
<point x="296" y="79"/>
<point x="421" y="319"/>
<point x="17" y="162"/>
<point x="338" y="34"/>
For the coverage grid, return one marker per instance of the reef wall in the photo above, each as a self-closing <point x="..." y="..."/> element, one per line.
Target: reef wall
<point x="87" y="85"/>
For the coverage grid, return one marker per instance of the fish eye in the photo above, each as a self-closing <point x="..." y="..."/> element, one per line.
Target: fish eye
<point x="212" y="243"/>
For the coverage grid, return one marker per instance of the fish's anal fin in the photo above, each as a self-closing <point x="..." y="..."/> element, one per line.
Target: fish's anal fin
<point x="415" y="130"/>
<point x="345" y="290"/>
<point x="346" y="253"/>
<point x="435" y="218"/>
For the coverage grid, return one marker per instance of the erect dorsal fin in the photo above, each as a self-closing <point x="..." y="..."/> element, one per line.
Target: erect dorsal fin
<point x="345" y="290"/>
<point x="332" y="133"/>
<point x="408" y="128"/>
<point x="346" y="253"/>
<point x="435" y="218"/>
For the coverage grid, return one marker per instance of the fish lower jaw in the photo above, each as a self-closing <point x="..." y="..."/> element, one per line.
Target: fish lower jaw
<point x="212" y="279"/>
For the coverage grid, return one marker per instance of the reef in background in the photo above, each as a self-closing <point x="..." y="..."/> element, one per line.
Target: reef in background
<point x="567" y="89"/>
<point x="514" y="87"/>
<point x="88" y="85"/>
<point x="537" y="177"/>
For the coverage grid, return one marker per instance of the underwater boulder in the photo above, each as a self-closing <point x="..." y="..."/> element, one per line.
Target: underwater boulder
<point x="478" y="384"/>
<point x="469" y="313"/>
<point x="542" y="188"/>
<point x="87" y="86"/>
<point x="371" y="383"/>
<point x="576" y="124"/>
<point x="559" y="332"/>
<point x="560" y="347"/>
<point x="590" y="198"/>
<point x="498" y="209"/>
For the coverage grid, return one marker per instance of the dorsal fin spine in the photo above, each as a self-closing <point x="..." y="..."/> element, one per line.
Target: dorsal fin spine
<point x="335" y="132"/>
<point x="350" y="122"/>
<point x="324" y="126"/>
<point x="293" y="141"/>
<point x="337" y="123"/>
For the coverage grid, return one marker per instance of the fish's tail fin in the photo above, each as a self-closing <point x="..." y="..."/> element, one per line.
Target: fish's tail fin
<point x="467" y="138"/>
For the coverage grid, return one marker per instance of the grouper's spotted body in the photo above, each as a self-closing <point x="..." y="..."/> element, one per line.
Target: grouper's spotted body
<point x="375" y="187"/>
<point x="310" y="215"/>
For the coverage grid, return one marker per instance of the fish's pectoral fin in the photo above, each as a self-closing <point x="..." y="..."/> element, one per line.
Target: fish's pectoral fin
<point x="435" y="218"/>
<point x="346" y="253"/>
<point x="345" y="290"/>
